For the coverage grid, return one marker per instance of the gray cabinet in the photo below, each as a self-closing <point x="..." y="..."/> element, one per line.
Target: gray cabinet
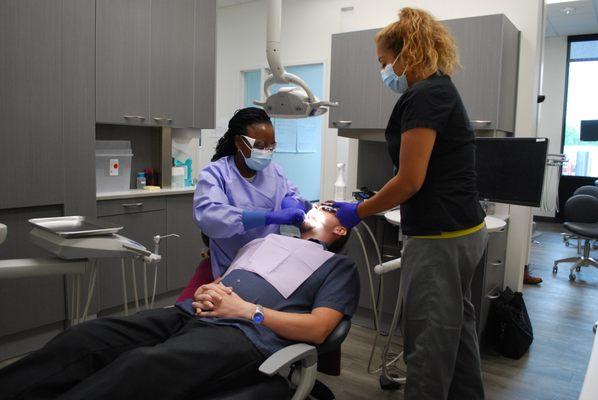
<point x="31" y="105"/>
<point x="122" y="61"/>
<point x="33" y="302"/>
<point x="489" y="277"/>
<point x="355" y="81"/>
<point x="171" y="61"/>
<point x="487" y="80"/>
<point x="184" y="253"/>
<point x="204" y="110"/>
<point x="149" y="65"/>
<point x="140" y="225"/>
<point x="78" y="94"/>
<point x="47" y="108"/>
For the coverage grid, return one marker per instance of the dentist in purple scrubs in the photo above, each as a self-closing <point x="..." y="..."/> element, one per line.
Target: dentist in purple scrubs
<point x="242" y="195"/>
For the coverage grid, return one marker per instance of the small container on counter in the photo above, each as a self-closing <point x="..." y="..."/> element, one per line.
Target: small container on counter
<point x="141" y="181"/>
<point x="178" y="177"/>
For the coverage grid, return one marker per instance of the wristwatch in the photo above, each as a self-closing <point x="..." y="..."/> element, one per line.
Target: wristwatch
<point x="258" y="314"/>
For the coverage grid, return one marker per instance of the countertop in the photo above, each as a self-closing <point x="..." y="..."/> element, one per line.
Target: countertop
<point x="589" y="390"/>
<point x="127" y="194"/>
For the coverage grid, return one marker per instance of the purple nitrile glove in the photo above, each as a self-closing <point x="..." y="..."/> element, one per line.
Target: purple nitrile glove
<point x="291" y="202"/>
<point x="288" y="216"/>
<point x="347" y="214"/>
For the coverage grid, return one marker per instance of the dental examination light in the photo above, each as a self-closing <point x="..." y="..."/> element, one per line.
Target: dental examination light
<point x="296" y="101"/>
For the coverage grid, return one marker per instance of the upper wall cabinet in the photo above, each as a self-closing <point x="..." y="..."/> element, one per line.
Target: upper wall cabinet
<point x="355" y="81"/>
<point x="46" y="101"/>
<point x="122" y="61"/>
<point x="487" y="79"/>
<point x="30" y="104"/>
<point x="153" y="57"/>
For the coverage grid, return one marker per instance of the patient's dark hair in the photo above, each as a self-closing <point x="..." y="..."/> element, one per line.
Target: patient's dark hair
<point x="339" y="243"/>
<point x="238" y="126"/>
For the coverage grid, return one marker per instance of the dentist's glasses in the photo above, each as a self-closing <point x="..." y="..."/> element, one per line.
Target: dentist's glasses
<point x="258" y="144"/>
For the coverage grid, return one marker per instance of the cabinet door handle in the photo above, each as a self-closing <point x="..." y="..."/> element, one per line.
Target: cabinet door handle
<point x="493" y="296"/>
<point x="163" y="119"/>
<point x="139" y="117"/>
<point x="341" y="124"/>
<point x="496" y="294"/>
<point x="127" y="205"/>
<point x="480" y="122"/>
<point x="496" y="263"/>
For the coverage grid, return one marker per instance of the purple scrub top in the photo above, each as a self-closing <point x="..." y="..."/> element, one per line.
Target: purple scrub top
<point x="223" y="194"/>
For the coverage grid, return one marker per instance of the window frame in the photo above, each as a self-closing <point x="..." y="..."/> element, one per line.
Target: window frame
<point x="572" y="39"/>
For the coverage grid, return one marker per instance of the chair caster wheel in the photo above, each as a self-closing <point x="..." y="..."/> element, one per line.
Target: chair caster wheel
<point x="388" y="384"/>
<point x="572" y="277"/>
<point x="555" y="269"/>
<point x="567" y="244"/>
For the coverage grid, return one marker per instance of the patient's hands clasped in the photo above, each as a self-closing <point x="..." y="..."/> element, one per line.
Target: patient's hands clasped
<point x="217" y="300"/>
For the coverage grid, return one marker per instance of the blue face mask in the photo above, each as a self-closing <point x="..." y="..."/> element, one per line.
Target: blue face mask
<point x="259" y="159"/>
<point x="395" y="82"/>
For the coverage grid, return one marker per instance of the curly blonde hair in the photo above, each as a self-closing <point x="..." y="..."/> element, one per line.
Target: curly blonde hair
<point x="424" y="44"/>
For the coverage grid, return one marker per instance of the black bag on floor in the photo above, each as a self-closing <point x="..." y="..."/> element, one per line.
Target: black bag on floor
<point x="509" y="328"/>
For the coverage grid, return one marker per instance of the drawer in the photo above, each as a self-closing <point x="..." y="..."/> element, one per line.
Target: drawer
<point x="497" y="245"/>
<point x="495" y="274"/>
<point x="129" y="206"/>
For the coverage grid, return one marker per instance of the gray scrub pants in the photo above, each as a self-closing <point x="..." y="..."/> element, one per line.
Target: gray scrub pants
<point x="438" y="320"/>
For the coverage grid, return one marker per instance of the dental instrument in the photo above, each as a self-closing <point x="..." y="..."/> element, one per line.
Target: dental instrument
<point x="296" y="101"/>
<point x="389" y="359"/>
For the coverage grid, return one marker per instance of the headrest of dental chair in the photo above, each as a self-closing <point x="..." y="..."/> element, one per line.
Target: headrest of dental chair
<point x="338" y="335"/>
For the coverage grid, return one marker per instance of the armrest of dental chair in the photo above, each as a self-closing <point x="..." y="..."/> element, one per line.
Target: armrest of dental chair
<point x="289" y="355"/>
<point x="307" y="355"/>
<point x="338" y="335"/>
<point x="303" y="353"/>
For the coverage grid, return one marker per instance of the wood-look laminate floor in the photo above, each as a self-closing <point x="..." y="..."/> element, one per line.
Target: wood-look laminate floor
<point x="562" y="315"/>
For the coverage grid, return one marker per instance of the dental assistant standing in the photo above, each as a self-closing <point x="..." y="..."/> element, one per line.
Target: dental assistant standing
<point x="242" y="195"/>
<point x="431" y="143"/>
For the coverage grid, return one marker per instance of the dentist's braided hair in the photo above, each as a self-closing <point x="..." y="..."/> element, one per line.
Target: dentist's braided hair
<point x="238" y="126"/>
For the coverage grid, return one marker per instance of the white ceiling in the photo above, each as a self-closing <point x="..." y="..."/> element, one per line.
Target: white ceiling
<point x="582" y="20"/>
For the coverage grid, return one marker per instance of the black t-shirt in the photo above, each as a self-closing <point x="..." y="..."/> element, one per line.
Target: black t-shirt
<point x="448" y="199"/>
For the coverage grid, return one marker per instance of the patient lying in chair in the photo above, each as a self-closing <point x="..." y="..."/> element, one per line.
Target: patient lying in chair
<point x="278" y="291"/>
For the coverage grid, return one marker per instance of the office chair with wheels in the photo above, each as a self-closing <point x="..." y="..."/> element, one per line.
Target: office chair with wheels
<point x="581" y="219"/>
<point x="568" y="237"/>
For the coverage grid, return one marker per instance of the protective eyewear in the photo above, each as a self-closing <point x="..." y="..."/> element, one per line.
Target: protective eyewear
<point x="258" y="144"/>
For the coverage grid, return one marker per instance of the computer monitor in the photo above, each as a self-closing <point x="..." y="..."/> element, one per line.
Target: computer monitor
<point x="588" y="131"/>
<point x="511" y="170"/>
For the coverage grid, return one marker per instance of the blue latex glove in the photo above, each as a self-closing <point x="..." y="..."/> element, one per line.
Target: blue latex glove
<point x="288" y="216"/>
<point x="291" y="202"/>
<point x="347" y="214"/>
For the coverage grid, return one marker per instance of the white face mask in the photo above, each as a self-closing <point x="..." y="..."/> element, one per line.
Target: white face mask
<point x="395" y="82"/>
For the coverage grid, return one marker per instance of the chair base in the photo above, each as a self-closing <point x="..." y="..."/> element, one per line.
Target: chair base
<point x="581" y="261"/>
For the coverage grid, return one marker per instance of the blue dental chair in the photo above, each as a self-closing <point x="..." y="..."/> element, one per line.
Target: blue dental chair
<point x="290" y="373"/>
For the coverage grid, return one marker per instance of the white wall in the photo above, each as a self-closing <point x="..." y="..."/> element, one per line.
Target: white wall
<point x="307" y="27"/>
<point x="550" y="113"/>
